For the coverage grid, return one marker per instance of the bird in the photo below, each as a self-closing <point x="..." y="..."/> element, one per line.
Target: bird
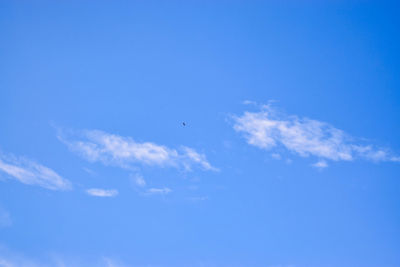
<point x="184" y="123"/>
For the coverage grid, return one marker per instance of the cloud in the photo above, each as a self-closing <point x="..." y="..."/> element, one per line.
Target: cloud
<point x="249" y="102"/>
<point x="102" y="192"/>
<point x="266" y="129"/>
<point x="112" y="149"/>
<point x="197" y="158"/>
<point x="320" y="164"/>
<point x="139" y="180"/>
<point x="159" y="191"/>
<point x="31" y="173"/>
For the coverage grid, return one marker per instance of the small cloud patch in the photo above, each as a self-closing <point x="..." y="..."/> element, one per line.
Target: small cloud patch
<point x="97" y="192"/>
<point x="158" y="191"/>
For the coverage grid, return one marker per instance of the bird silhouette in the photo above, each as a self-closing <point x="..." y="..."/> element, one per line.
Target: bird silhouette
<point x="184" y="123"/>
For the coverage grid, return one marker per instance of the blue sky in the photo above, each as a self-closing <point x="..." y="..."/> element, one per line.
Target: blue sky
<point x="290" y="155"/>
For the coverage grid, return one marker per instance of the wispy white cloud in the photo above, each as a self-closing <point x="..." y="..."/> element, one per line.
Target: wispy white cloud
<point x="249" y="102"/>
<point x="159" y="191"/>
<point x="267" y="130"/>
<point x="97" y="192"/>
<point x="320" y="164"/>
<point x="112" y="149"/>
<point x="195" y="157"/>
<point x="139" y="180"/>
<point x="29" y="172"/>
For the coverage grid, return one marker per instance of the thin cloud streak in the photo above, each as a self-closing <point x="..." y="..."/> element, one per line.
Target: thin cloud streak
<point x="124" y="152"/>
<point x="159" y="191"/>
<point x="29" y="172"/>
<point x="97" y="192"/>
<point x="266" y="129"/>
<point x="320" y="164"/>
<point x="195" y="157"/>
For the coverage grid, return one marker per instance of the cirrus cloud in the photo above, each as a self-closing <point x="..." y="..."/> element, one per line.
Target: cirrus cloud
<point x="268" y="130"/>
<point x="112" y="149"/>
<point x="158" y="191"/>
<point x="29" y="172"/>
